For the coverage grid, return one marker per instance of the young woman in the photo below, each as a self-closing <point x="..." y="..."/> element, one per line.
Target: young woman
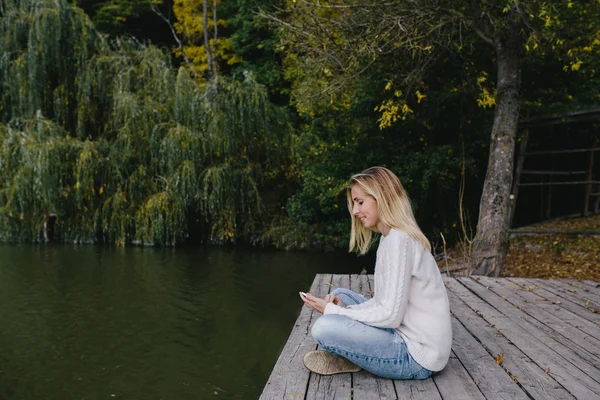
<point x="404" y="331"/>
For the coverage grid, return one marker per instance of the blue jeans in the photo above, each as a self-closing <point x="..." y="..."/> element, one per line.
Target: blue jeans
<point x="381" y="351"/>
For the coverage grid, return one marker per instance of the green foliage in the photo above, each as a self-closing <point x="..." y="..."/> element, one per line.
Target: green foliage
<point x="426" y="151"/>
<point x="190" y="27"/>
<point x="254" y="42"/>
<point x="123" y="148"/>
<point x="112" y="16"/>
<point x="133" y="18"/>
<point x="120" y="146"/>
<point x="412" y="86"/>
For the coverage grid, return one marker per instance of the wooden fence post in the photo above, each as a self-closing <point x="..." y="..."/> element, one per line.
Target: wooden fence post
<point x="517" y="177"/>
<point x="588" y="187"/>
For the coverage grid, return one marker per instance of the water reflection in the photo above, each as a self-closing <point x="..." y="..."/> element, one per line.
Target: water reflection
<point x="104" y="323"/>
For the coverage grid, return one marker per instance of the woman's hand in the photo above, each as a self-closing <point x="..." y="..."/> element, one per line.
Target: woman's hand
<point x="315" y="303"/>
<point x="335" y="300"/>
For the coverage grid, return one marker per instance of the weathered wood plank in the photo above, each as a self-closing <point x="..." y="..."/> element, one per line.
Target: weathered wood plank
<point x="537" y="383"/>
<point x="490" y="378"/>
<point x="556" y="310"/>
<point x="574" y="287"/>
<point x="576" y="382"/>
<point x="289" y="378"/>
<point x="575" y="339"/>
<point x="334" y="386"/>
<point x="366" y="385"/>
<point x="366" y="284"/>
<point x="565" y="294"/>
<point x="592" y="284"/>
<point x="417" y="390"/>
<point x="549" y="341"/>
<point x="586" y="286"/>
<point x="553" y="298"/>
<point x="575" y="354"/>
<point x="454" y="381"/>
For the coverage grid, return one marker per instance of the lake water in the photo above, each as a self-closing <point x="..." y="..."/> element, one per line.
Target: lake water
<point x="93" y="322"/>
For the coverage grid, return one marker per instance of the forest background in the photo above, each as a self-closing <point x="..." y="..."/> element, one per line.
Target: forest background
<point x="118" y="126"/>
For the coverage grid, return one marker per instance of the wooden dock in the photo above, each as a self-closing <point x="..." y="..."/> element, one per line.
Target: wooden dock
<point x="513" y="339"/>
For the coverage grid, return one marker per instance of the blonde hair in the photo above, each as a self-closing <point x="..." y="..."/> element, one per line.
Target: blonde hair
<point x="393" y="205"/>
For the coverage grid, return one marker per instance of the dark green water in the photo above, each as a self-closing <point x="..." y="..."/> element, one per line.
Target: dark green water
<point x="105" y="323"/>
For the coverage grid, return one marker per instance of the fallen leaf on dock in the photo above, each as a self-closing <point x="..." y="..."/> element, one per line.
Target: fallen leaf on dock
<point x="500" y="358"/>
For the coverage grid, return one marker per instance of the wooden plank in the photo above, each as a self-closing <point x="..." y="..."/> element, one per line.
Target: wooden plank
<point x="583" y="294"/>
<point x="289" y="378"/>
<point x="576" y="382"/>
<point x="544" y="172"/>
<point x="561" y="293"/>
<point x="514" y="190"/>
<point x="592" y="286"/>
<point x="523" y="232"/>
<point x="586" y="346"/>
<point x="366" y="385"/>
<point x="490" y="378"/>
<point x="417" y="390"/>
<point x="367" y="285"/>
<point x="329" y="387"/>
<point x="553" y="298"/>
<point x="562" y="118"/>
<point x="454" y="381"/>
<point x="333" y="386"/>
<point x="557" y="310"/>
<point x="588" y="188"/>
<point x="530" y="376"/>
<point x="577" y="288"/>
<point x="578" y="357"/>
<point x="537" y="153"/>
<point x="559" y="183"/>
<point x="361" y="284"/>
<point x="572" y="297"/>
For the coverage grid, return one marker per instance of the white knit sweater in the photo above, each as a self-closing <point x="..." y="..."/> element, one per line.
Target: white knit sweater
<point x="410" y="297"/>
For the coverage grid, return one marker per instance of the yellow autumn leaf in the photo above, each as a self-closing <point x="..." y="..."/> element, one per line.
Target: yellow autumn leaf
<point x="500" y="358"/>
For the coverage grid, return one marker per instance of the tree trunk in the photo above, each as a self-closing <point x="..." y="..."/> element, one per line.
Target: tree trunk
<point x="214" y="48"/>
<point x="492" y="239"/>
<point x="209" y="55"/>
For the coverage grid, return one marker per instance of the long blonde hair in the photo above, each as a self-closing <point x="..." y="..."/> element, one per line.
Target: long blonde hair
<point x="393" y="204"/>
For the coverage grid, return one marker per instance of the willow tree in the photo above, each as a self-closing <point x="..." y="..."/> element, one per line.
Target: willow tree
<point x="331" y="45"/>
<point x="120" y="146"/>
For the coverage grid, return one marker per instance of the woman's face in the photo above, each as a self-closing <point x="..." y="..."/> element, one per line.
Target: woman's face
<point x="365" y="207"/>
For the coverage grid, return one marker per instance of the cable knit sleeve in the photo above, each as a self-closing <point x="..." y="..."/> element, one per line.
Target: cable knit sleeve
<point x="395" y="263"/>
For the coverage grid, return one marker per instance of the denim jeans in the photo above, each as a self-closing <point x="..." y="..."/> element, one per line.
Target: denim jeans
<point x="381" y="351"/>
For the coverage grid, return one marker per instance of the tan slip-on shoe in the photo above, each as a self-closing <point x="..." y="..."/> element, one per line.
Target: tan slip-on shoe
<point x="324" y="363"/>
